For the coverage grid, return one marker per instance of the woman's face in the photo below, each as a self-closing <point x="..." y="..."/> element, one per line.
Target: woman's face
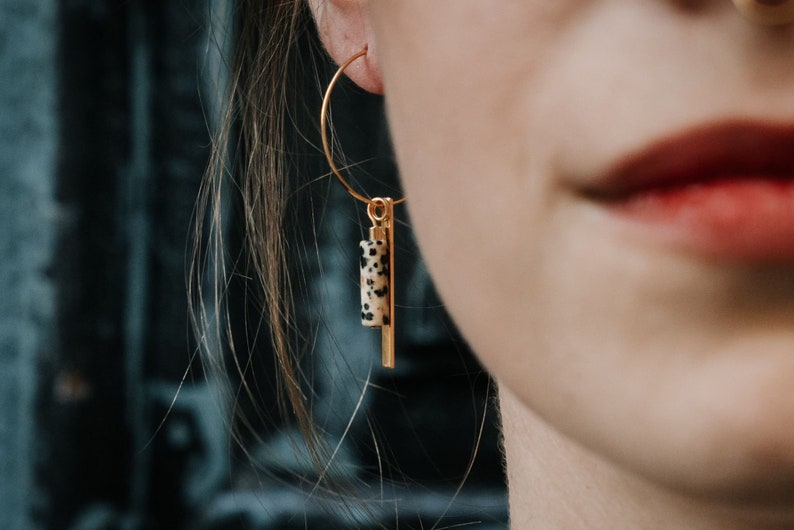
<point x="553" y="155"/>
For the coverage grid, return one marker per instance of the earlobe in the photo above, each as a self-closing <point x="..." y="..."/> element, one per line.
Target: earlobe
<point x="345" y="29"/>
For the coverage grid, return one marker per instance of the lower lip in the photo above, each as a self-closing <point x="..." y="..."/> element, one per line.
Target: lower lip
<point x="736" y="218"/>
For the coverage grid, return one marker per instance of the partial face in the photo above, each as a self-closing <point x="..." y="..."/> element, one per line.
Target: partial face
<point x="550" y="153"/>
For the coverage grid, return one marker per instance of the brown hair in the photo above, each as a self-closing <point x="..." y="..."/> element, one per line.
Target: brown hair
<point x="251" y="160"/>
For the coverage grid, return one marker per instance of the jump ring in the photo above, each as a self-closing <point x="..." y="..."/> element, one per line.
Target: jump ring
<point x="376" y="210"/>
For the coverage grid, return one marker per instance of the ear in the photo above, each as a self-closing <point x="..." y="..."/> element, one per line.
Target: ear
<point x="345" y="29"/>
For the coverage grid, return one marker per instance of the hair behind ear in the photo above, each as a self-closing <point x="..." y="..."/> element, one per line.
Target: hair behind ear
<point x="253" y="141"/>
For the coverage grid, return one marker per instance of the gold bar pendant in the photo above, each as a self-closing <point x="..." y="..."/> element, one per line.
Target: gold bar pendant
<point x="377" y="276"/>
<point x="387" y="330"/>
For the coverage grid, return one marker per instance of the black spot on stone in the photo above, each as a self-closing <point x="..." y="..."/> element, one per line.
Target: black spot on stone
<point x="386" y="321"/>
<point x="380" y="293"/>
<point x="369" y="317"/>
<point x="379" y="242"/>
<point x="366" y="306"/>
<point x="370" y="282"/>
<point x="373" y="251"/>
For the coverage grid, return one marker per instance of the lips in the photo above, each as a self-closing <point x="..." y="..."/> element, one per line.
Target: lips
<point x="725" y="190"/>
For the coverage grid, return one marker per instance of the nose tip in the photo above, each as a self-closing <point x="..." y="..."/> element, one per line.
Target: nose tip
<point x="767" y="12"/>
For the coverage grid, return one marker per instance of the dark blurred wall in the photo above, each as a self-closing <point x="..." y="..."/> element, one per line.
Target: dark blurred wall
<point x="28" y="213"/>
<point x="103" y="143"/>
<point x="105" y="108"/>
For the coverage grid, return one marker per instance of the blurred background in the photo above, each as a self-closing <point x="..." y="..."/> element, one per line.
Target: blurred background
<point x="106" y="109"/>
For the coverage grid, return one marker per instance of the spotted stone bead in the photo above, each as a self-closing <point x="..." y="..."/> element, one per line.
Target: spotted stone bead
<point x="374" y="283"/>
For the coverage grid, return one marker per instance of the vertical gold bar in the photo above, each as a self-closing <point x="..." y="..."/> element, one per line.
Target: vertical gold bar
<point x="387" y="331"/>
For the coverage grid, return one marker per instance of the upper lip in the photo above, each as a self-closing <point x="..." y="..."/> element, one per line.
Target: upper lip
<point x="733" y="149"/>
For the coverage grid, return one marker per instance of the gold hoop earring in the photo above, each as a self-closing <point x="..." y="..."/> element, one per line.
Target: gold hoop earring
<point x="767" y="12"/>
<point x="377" y="252"/>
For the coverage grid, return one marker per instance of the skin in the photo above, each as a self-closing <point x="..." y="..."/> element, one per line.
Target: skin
<point x="642" y="385"/>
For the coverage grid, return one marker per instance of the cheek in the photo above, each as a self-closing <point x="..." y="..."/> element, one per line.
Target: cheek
<point x="462" y="123"/>
<point x="473" y="122"/>
<point x="482" y="241"/>
<point x="480" y="206"/>
<point x="485" y="214"/>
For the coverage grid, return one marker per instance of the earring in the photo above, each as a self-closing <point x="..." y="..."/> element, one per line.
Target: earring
<point x="768" y="12"/>
<point x="377" y="252"/>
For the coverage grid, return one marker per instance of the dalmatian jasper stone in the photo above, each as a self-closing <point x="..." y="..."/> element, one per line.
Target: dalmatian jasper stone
<point x="374" y="283"/>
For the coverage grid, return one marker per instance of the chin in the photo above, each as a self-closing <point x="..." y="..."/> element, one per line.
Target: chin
<point x="734" y="441"/>
<point x="752" y="468"/>
<point x="719" y="427"/>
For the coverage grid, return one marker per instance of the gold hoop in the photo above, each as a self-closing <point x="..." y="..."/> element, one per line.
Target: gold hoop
<point x="324" y="134"/>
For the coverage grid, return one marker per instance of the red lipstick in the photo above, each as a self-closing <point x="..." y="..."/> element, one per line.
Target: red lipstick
<point x="725" y="190"/>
